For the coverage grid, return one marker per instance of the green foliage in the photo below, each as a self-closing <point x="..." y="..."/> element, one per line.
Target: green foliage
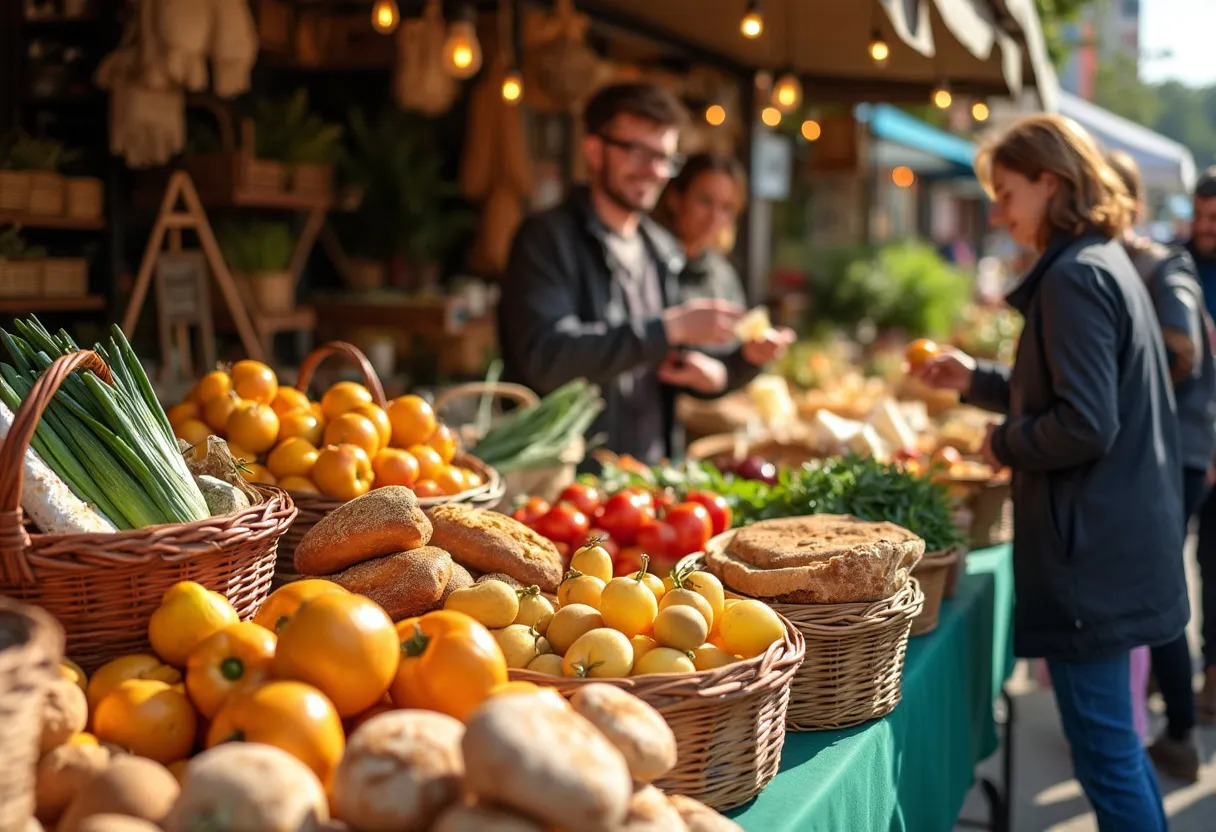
<point x="13" y="247"/>
<point x="409" y="206"/>
<point x="1118" y="88"/>
<point x="1055" y="15"/>
<point x="256" y="245"/>
<point x="288" y="131"/>
<point x="21" y="151"/>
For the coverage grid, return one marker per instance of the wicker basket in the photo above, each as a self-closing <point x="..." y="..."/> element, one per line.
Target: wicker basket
<point x="729" y="722"/>
<point x="933" y="574"/>
<point x="83" y="197"/>
<point x="547" y="481"/>
<point x="14" y="190"/>
<point x="313" y="180"/>
<point x="103" y="588"/>
<point x="20" y="278"/>
<point x="724" y="449"/>
<point x="31" y="646"/>
<point x="65" y="277"/>
<point x="991" y="514"/>
<point x="46" y="193"/>
<point x="313" y="507"/>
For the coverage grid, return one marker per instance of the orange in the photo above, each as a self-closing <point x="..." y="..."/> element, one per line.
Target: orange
<point x="217" y="411"/>
<point x="301" y="485"/>
<point x="343" y="472"/>
<point x="472" y="477"/>
<point x="430" y="464"/>
<point x="444" y="441"/>
<point x="253" y="472"/>
<point x="213" y="385"/>
<point x="292" y="716"/>
<point x="254" y="381"/>
<point x="412" y="419"/>
<point x="345" y="645"/>
<point x="451" y="480"/>
<point x="188" y="613"/>
<point x="133" y="666"/>
<point x="182" y="411"/>
<point x="301" y="423"/>
<point x="289" y="399"/>
<point x="235" y="657"/>
<point x="315" y="407"/>
<point x="192" y="431"/>
<point x="254" y="426"/>
<point x="920" y="351"/>
<point x="149" y="718"/>
<point x="292" y="457"/>
<point x="282" y="604"/>
<point x="355" y="429"/>
<point x="342" y="397"/>
<point x="378" y="417"/>
<point x="393" y="466"/>
<point x="427" y="488"/>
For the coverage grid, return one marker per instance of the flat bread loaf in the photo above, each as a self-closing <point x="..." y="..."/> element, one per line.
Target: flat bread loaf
<point x="487" y="541"/>
<point x="819" y="559"/>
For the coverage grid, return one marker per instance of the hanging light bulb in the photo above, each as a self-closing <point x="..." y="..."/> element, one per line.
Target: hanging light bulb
<point x="385" y="16"/>
<point x="715" y="114"/>
<point x="787" y="94"/>
<point x="461" y="49"/>
<point x="903" y="177"/>
<point x="752" y="24"/>
<point x="879" y="50"/>
<point x="512" y="87"/>
<point x="811" y="130"/>
<point x="979" y="111"/>
<point x="770" y="116"/>
<point x="942" y="99"/>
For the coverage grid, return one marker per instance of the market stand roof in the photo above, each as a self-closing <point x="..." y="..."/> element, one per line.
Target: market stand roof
<point x="980" y="47"/>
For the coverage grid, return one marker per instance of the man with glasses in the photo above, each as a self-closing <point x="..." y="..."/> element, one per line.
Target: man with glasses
<point x="591" y="289"/>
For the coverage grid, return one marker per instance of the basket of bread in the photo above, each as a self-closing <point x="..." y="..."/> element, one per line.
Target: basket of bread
<point x="845" y="584"/>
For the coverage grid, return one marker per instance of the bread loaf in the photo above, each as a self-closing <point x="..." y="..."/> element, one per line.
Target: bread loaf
<point x="382" y="522"/>
<point x="405" y="584"/>
<point x="459" y="580"/>
<point x="490" y="542"/>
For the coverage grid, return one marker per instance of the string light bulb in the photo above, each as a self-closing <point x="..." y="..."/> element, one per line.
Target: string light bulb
<point x="787" y="94"/>
<point x="903" y="177"/>
<point x="879" y="50"/>
<point x="980" y="111"/>
<point x="461" y="49"/>
<point x="770" y="116"/>
<point x="715" y="114"/>
<point x="752" y="24"/>
<point x="811" y="130"/>
<point x="385" y="16"/>
<point x="512" y="87"/>
<point x="942" y="99"/>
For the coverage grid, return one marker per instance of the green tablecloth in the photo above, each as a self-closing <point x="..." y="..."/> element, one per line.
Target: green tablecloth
<point x="912" y="769"/>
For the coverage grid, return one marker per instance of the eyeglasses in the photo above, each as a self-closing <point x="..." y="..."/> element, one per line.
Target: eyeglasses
<point x="641" y="154"/>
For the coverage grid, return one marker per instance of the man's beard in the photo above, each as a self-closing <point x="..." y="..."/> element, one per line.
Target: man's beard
<point x="1205" y="246"/>
<point x="617" y="196"/>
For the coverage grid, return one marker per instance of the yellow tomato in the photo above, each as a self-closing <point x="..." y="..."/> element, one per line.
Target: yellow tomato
<point x="472" y="479"/>
<point x="578" y="588"/>
<point x="343" y="472"/>
<point x="549" y="664"/>
<point x="378" y="417"/>
<point x="300" y="485"/>
<point x="451" y="480"/>
<point x="182" y="411"/>
<point x="413" y="421"/>
<point x="593" y="559"/>
<point x="393" y="466"/>
<point x="217" y="411"/>
<point x="292" y="457"/>
<point x="354" y="429"/>
<point x="343" y="397"/>
<point x="213" y="385"/>
<point x="663" y="660"/>
<point x="599" y="654"/>
<point x="430" y="464"/>
<point x="288" y="400"/>
<point x="281" y="605"/>
<point x="148" y="718"/>
<point x="254" y="381"/>
<point x="680" y="627"/>
<point x="188" y="613"/>
<point x="133" y="666"/>
<point x="628" y="605"/>
<point x="708" y="587"/>
<point x="443" y="440"/>
<point x="710" y="656"/>
<point x="687" y="597"/>
<point x="570" y="623"/>
<point x="192" y="431"/>
<point x="749" y="627"/>
<point x="303" y="424"/>
<point x="253" y="472"/>
<point x="254" y="426"/>
<point x="654" y="583"/>
<point x="237" y="656"/>
<point x="641" y="646"/>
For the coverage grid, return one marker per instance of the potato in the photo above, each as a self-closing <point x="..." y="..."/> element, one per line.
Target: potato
<point x="530" y="754"/>
<point x="649" y="811"/>
<point x="493" y="603"/>
<point x="117" y="823"/>
<point x="701" y="818"/>
<point x="65" y="711"/>
<point x="637" y="730"/>
<point x="62" y="773"/>
<point x="130" y="785"/>
<point x="483" y="819"/>
<point x="400" y="770"/>
<point x="249" y="787"/>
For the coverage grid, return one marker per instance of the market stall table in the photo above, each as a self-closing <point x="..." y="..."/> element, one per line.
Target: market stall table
<point x="912" y="769"/>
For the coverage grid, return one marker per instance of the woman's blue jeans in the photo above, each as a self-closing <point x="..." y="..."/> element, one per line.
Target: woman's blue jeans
<point x="1094" y="698"/>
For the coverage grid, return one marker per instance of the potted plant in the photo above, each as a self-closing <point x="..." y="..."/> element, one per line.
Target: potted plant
<point x="260" y="252"/>
<point x="30" y="179"/>
<point x="410" y="213"/>
<point x="20" y="265"/>
<point x="288" y="131"/>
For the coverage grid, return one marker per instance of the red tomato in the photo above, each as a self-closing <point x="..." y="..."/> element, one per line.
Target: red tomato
<point x="585" y="498"/>
<point x="646" y="494"/>
<point x="659" y="540"/>
<point x="624" y="515"/>
<point x="627" y="561"/>
<point x="531" y="511"/>
<point x="605" y="540"/>
<point x="692" y="526"/>
<point x="565" y="524"/>
<point x="663" y="501"/>
<point x="718" y="508"/>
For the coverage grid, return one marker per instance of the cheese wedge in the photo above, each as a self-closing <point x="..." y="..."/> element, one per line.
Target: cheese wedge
<point x="892" y="426"/>
<point x="754" y="326"/>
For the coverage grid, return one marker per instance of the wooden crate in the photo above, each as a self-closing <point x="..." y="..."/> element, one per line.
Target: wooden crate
<point x="65" y="277"/>
<point x="47" y="193"/>
<point x="20" y="278"/>
<point x="83" y="197"/>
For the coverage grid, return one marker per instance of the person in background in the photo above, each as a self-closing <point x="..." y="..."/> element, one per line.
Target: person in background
<point x="701" y="208"/>
<point x="591" y="288"/>
<point x="1091" y="435"/>
<point x="1186" y="330"/>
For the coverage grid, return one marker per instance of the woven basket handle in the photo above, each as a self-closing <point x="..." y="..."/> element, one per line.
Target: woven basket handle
<point x="352" y="354"/>
<point x="14" y="540"/>
<point x="516" y="392"/>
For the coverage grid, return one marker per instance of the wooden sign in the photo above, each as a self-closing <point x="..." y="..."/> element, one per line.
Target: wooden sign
<point x="183" y="301"/>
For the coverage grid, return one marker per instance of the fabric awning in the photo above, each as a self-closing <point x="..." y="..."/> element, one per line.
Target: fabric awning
<point x="1165" y="164"/>
<point x="894" y="125"/>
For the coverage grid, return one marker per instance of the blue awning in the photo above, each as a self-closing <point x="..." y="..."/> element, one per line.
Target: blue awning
<point x="894" y="125"/>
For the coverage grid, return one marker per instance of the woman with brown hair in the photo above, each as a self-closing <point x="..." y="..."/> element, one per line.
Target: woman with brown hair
<point x="1091" y="437"/>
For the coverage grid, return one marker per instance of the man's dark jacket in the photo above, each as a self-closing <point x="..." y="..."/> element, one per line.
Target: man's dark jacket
<point x="563" y="315"/>
<point x="1091" y="435"/>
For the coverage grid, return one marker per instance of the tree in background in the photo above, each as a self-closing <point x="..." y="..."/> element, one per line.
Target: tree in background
<point x="1055" y="16"/>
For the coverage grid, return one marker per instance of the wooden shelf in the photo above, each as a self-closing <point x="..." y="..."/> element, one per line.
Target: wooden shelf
<point x="49" y="221"/>
<point x="20" y="306"/>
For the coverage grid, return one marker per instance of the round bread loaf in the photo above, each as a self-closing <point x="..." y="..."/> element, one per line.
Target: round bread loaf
<point x="383" y="521"/>
<point x="490" y="542"/>
<point x="405" y="584"/>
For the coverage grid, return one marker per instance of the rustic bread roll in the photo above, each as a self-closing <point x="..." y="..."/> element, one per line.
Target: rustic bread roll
<point x="381" y="522"/>
<point x="499" y="576"/>
<point x="637" y="730"/>
<point x="490" y="542"/>
<point x="649" y="811"/>
<point x="808" y="541"/>
<point x="701" y="818"/>
<point x="405" y="584"/>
